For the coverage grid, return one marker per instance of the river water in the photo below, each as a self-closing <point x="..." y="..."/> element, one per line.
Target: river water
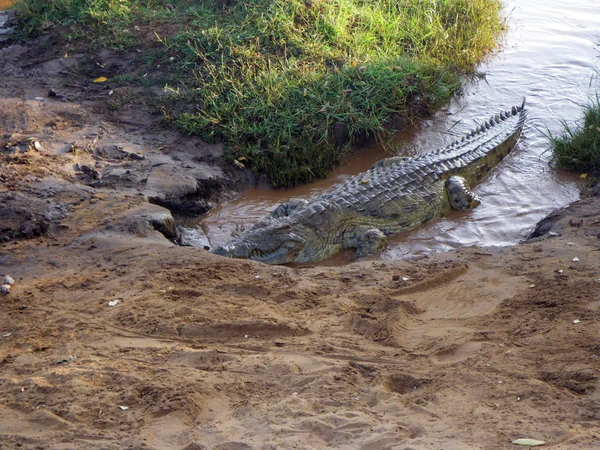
<point x="6" y="3"/>
<point x="550" y="55"/>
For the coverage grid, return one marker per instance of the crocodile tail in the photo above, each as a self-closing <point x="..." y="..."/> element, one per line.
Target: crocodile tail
<point x="522" y="111"/>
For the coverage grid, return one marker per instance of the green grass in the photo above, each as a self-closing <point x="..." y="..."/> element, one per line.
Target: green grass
<point x="272" y="78"/>
<point x="578" y="148"/>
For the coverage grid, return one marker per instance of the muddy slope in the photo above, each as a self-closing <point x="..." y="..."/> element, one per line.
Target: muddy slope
<point x="465" y="350"/>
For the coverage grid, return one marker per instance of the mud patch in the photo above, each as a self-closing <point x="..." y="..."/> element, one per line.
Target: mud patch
<point x="579" y="382"/>
<point x="403" y="383"/>
<point x="207" y="360"/>
<point x="240" y="330"/>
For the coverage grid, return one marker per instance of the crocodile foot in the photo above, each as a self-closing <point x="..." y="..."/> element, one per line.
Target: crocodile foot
<point x="460" y="195"/>
<point x="366" y="240"/>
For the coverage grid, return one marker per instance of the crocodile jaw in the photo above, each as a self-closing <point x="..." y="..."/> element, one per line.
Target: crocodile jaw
<point x="271" y="243"/>
<point x="286" y="252"/>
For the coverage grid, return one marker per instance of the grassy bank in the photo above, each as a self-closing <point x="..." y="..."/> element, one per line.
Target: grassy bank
<point x="273" y="79"/>
<point x="577" y="148"/>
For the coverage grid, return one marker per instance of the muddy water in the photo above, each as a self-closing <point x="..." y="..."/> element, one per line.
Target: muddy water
<point x="6" y="3"/>
<point x="549" y="55"/>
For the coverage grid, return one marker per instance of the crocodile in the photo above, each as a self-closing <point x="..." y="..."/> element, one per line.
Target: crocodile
<point x="395" y="195"/>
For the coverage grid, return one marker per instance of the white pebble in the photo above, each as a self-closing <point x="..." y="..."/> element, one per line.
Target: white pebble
<point x="5" y="289"/>
<point x="113" y="303"/>
<point x="576" y="259"/>
<point x="8" y="280"/>
<point x="576" y="321"/>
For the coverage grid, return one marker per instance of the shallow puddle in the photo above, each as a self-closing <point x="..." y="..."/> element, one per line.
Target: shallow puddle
<point x="550" y="55"/>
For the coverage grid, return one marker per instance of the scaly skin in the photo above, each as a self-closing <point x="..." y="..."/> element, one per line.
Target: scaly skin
<point x="395" y="195"/>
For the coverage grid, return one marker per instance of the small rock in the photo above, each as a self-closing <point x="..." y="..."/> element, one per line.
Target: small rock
<point x="5" y="289"/>
<point x="123" y="408"/>
<point x="67" y="360"/>
<point x="193" y="237"/>
<point x="576" y="321"/>
<point x="576" y="259"/>
<point x="8" y="280"/>
<point x="113" y="303"/>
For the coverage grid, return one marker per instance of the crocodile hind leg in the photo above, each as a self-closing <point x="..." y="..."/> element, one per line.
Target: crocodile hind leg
<point x="288" y="207"/>
<point x="460" y="195"/>
<point x="365" y="240"/>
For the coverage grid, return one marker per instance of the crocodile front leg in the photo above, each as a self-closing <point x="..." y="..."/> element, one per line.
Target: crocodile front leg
<point x="460" y="195"/>
<point x="366" y="240"/>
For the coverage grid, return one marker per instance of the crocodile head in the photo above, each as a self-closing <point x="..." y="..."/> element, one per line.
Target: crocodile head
<point x="272" y="241"/>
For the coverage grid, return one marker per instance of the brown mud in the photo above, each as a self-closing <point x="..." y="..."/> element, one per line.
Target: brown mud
<point x="468" y="349"/>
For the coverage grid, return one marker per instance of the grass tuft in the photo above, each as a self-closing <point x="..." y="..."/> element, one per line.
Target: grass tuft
<point x="273" y="79"/>
<point x="577" y="148"/>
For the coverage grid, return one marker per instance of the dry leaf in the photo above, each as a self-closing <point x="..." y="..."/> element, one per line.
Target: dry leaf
<point x="239" y="164"/>
<point x="528" y="442"/>
<point x="100" y="80"/>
